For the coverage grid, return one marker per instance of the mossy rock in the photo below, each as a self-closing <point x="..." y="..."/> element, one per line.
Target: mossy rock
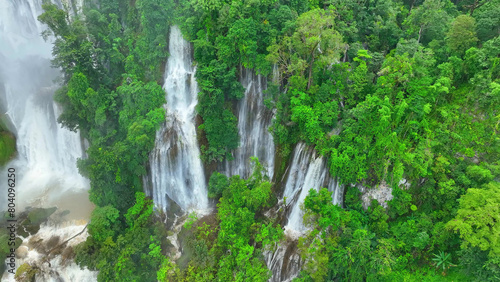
<point x="38" y="215"/>
<point x="22" y="231"/>
<point x="4" y="248"/>
<point x="68" y="254"/>
<point x="2" y="267"/>
<point x="4" y="238"/>
<point x="28" y="229"/>
<point x="4" y="243"/>
<point x="26" y="273"/>
<point x="7" y="147"/>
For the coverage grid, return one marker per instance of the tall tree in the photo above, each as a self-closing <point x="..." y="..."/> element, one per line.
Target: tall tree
<point x="462" y="34"/>
<point x="429" y="21"/>
<point x="315" y="42"/>
<point x="478" y="218"/>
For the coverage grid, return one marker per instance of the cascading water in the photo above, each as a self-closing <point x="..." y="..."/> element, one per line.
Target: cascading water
<point x="176" y="168"/>
<point x="284" y="262"/>
<point x="46" y="172"/>
<point x="307" y="171"/>
<point x="50" y="250"/>
<point x="254" y="120"/>
<point x="47" y="153"/>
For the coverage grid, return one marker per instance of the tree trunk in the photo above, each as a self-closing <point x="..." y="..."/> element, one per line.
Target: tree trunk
<point x="420" y="33"/>
<point x="309" y="82"/>
<point x="345" y="53"/>
<point x="473" y="7"/>
<point x="411" y="7"/>
<point x="477" y="5"/>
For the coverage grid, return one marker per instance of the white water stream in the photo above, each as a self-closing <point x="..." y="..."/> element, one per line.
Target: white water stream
<point x="254" y="120"/>
<point x="176" y="168"/>
<point x="47" y="153"/>
<point x="308" y="171"/>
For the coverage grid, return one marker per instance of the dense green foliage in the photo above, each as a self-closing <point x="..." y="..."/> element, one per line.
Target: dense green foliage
<point x="111" y="56"/>
<point x="111" y="94"/>
<point x="7" y="144"/>
<point x="385" y="90"/>
<point x="124" y="252"/>
<point x="414" y="98"/>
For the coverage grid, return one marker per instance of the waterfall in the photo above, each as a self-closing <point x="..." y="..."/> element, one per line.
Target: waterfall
<point x="47" y="153"/>
<point x="176" y="168"/>
<point x="46" y="171"/>
<point x="308" y="170"/>
<point x="254" y="120"/>
<point x="284" y="262"/>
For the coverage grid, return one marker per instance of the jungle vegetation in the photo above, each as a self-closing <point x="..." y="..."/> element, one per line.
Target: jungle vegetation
<point x="412" y="87"/>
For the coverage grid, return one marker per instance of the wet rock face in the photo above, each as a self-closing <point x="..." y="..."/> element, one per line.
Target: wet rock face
<point x="382" y="193"/>
<point x="172" y="214"/>
<point x="26" y="273"/>
<point x="254" y="120"/>
<point x="308" y="170"/>
<point x="48" y="255"/>
<point x="284" y="262"/>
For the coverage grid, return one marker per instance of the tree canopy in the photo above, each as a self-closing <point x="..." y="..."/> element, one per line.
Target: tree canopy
<point x="396" y="94"/>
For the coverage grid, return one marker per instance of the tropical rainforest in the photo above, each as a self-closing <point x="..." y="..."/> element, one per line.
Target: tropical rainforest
<point x="388" y="91"/>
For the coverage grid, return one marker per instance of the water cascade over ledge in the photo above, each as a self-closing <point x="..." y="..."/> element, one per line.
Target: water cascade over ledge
<point x="47" y="153"/>
<point x="176" y="168"/>
<point x="254" y="120"/>
<point x="308" y="170"/>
